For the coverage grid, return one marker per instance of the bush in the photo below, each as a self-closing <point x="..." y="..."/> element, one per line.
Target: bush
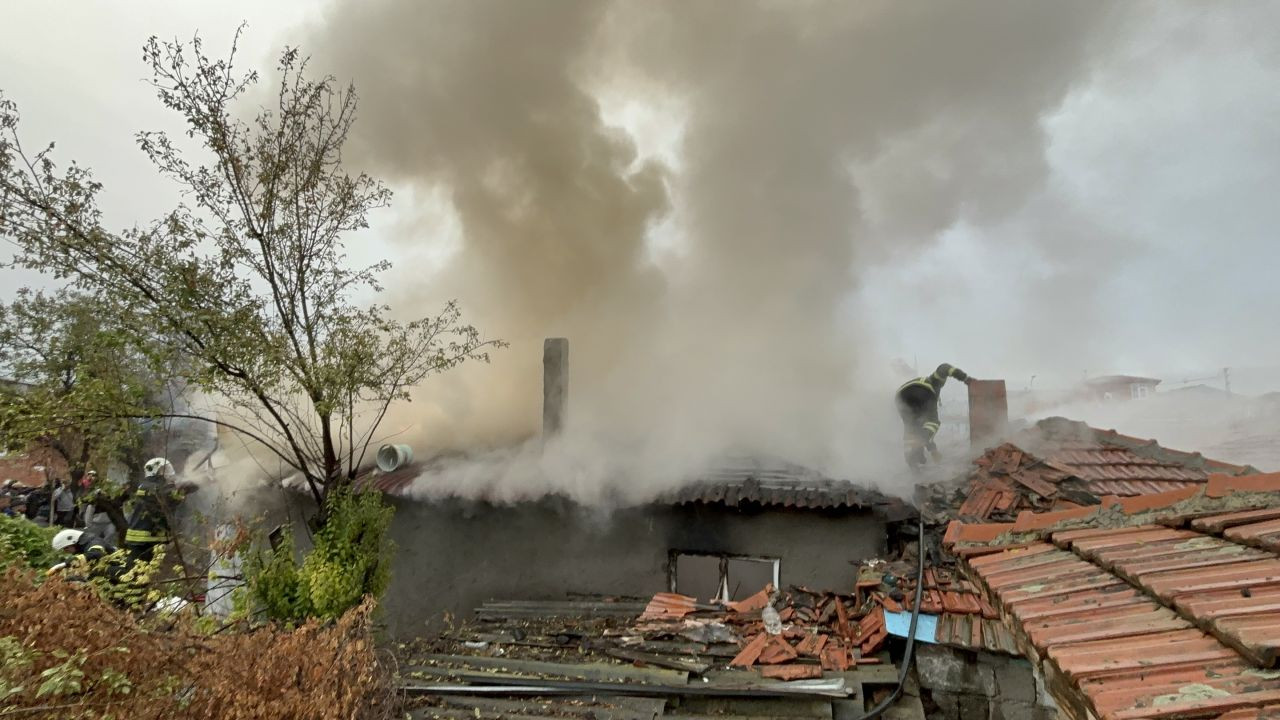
<point x="26" y="544"/>
<point x="350" y="561"/>
<point x="67" y="654"/>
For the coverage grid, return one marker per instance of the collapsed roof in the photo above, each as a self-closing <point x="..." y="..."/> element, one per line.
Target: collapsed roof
<point x="612" y="657"/>
<point x="1063" y="464"/>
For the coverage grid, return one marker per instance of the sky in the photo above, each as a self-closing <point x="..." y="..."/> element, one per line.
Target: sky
<point x="1025" y="190"/>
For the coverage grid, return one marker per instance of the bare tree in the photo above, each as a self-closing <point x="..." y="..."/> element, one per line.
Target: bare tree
<point x="248" y="279"/>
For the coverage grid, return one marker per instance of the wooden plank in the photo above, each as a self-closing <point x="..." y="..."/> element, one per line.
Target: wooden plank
<point x="578" y="671"/>
<point x="598" y="709"/>
<point x="672" y="662"/>
<point x="763" y="707"/>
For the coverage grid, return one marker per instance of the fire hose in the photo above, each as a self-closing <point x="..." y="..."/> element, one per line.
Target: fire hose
<point x="878" y="710"/>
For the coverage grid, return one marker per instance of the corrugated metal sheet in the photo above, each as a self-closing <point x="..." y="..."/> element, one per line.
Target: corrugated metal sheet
<point x="396" y="482"/>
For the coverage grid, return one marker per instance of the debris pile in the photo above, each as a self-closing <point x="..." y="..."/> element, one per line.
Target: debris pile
<point x="641" y="657"/>
<point x="1005" y="481"/>
<point x="790" y="635"/>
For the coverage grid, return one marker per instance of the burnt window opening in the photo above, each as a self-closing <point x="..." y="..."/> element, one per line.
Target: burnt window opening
<point x="720" y="576"/>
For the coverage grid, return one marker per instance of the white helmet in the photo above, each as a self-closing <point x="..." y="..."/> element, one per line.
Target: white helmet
<point x="66" y="539"/>
<point x="159" y="466"/>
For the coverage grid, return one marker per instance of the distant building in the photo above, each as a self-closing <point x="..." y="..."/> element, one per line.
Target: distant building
<point x="34" y="467"/>
<point x="1119" y="387"/>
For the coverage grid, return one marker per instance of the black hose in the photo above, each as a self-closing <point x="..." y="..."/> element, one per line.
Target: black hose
<point x="878" y="710"/>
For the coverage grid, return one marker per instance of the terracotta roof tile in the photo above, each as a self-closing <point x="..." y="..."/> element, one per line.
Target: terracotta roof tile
<point x="1220" y="485"/>
<point x="668" y="605"/>
<point x="1218" y="523"/>
<point x="1151" y="621"/>
<point x="959" y="532"/>
<point x="1142" y="503"/>
<point x="1064" y="538"/>
<point x="1269" y="712"/>
<point x="1264" y="534"/>
<point x="1028" y="520"/>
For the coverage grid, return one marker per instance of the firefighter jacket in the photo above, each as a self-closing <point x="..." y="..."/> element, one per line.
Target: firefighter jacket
<point x="918" y="400"/>
<point x="153" y="500"/>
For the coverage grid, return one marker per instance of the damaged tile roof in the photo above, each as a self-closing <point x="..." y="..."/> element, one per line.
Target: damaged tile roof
<point x="784" y="485"/>
<point x="1060" y="464"/>
<point x="1164" y="606"/>
<point x="770" y="485"/>
<point x="964" y="617"/>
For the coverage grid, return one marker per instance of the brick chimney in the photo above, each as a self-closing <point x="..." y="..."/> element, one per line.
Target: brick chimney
<point x="988" y="413"/>
<point x="555" y="385"/>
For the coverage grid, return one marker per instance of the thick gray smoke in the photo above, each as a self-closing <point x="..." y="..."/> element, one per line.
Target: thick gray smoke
<point x="708" y="299"/>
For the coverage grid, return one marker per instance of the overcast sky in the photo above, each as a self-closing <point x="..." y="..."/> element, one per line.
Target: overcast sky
<point x="1166" y="144"/>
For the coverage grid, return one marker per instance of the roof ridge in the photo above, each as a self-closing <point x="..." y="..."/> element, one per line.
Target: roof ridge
<point x="1144" y="447"/>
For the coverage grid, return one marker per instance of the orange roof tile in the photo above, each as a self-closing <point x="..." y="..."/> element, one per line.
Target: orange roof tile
<point x="1028" y="520"/>
<point x="1132" y="616"/>
<point x="1221" y="485"/>
<point x="668" y="605"/>
<point x="959" y="532"/>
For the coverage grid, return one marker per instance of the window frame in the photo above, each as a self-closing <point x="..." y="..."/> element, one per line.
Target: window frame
<point x="673" y="560"/>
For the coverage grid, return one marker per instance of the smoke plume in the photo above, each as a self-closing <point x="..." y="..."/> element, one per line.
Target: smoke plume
<point x="710" y="293"/>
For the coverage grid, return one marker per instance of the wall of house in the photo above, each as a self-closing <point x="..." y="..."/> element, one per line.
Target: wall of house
<point x="453" y="555"/>
<point x="21" y="467"/>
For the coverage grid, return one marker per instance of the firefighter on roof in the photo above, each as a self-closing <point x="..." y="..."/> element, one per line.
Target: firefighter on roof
<point x="917" y="402"/>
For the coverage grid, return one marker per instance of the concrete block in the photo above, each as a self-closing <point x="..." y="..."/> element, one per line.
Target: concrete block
<point x="1016" y="681"/>
<point x="1005" y="710"/>
<point x="906" y="708"/>
<point x="912" y="685"/>
<point x="948" y="706"/>
<point x="975" y="707"/>
<point x="955" y="671"/>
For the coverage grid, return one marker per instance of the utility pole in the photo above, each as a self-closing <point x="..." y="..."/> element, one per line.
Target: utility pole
<point x="1226" y="379"/>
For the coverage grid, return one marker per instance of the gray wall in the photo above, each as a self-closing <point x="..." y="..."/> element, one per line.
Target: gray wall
<point x="453" y="555"/>
<point x="960" y="684"/>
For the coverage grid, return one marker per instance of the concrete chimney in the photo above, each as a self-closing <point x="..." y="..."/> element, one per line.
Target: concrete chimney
<point x="988" y="413"/>
<point x="555" y="385"/>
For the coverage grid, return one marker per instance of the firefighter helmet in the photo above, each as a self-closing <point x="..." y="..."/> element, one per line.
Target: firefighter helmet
<point x="158" y="467"/>
<point x="66" y="539"/>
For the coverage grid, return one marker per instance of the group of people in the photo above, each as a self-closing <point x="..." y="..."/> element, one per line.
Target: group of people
<point x="43" y="505"/>
<point x="87" y="529"/>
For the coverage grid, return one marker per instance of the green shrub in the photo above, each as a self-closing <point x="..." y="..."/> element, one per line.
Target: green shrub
<point x="25" y="543"/>
<point x="351" y="559"/>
